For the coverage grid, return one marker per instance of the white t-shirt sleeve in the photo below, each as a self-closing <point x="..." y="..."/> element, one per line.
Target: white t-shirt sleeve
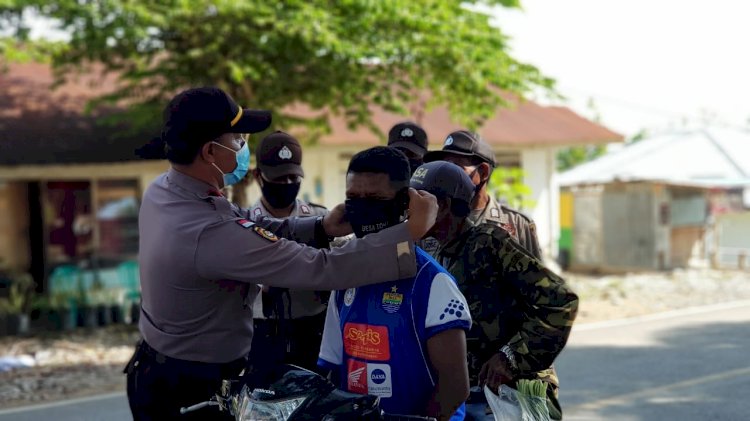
<point x="446" y="308"/>
<point x="332" y="345"/>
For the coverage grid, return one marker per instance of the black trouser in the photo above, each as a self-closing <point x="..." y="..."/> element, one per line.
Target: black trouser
<point x="295" y="341"/>
<point x="158" y="386"/>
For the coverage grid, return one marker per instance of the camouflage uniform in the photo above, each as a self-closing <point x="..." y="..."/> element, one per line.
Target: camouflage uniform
<point x="514" y="301"/>
<point x="518" y="225"/>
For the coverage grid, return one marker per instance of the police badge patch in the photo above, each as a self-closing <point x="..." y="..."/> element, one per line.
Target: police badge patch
<point x="285" y="153"/>
<point x="268" y="235"/>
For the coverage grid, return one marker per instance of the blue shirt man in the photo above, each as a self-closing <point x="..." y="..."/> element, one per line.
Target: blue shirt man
<point x="404" y="340"/>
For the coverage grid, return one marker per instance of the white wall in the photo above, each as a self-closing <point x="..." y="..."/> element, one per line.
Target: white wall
<point x="539" y="166"/>
<point x="733" y="230"/>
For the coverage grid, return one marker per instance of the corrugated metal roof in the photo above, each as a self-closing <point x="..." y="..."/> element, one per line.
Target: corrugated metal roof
<point x="712" y="156"/>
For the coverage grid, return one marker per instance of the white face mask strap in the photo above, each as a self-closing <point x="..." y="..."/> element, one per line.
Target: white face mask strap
<point x="225" y="147"/>
<point x="218" y="169"/>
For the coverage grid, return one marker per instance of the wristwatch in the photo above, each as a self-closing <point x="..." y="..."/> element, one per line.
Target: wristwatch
<point x="510" y="357"/>
<point x="321" y="236"/>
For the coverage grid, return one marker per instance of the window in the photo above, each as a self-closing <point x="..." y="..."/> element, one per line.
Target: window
<point x="67" y="216"/>
<point x="117" y="204"/>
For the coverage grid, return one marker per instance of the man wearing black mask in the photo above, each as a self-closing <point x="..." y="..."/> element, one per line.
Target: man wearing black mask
<point x="410" y="139"/>
<point x="279" y="175"/>
<point x="288" y="323"/>
<point x="476" y="157"/>
<point x="403" y="341"/>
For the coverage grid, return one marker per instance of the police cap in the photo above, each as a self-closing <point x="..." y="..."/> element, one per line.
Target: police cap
<point x="463" y="143"/>
<point x="444" y="179"/>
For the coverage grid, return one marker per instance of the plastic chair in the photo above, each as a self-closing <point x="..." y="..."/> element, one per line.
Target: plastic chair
<point x="129" y="275"/>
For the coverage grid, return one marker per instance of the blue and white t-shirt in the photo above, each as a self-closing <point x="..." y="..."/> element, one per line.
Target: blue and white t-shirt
<point x="376" y="336"/>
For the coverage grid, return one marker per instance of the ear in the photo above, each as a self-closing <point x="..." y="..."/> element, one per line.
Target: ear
<point x="207" y="152"/>
<point x="444" y="208"/>
<point x="484" y="170"/>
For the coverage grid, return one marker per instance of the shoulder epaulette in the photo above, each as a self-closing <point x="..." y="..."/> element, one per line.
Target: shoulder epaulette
<point x="517" y="212"/>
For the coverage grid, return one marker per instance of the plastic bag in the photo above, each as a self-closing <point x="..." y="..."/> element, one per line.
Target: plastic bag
<point x="510" y="405"/>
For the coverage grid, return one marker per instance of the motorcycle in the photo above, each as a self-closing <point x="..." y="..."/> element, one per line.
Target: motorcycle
<point x="295" y="394"/>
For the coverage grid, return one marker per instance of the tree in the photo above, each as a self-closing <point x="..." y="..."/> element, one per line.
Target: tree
<point x="341" y="55"/>
<point x="506" y="184"/>
<point x="338" y="57"/>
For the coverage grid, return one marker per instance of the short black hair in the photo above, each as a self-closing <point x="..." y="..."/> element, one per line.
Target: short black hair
<point x="383" y="160"/>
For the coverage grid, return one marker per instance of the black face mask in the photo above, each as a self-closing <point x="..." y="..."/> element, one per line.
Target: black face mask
<point x="372" y="215"/>
<point x="278" y="195"/>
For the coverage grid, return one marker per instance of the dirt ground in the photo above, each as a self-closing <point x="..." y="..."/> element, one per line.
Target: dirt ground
<point x="90" y="362"/>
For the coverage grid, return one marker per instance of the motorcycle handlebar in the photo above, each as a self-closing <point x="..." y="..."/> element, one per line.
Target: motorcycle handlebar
<point x="198" y="406"/>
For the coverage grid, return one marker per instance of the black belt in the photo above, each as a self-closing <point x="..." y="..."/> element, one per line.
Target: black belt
<point x="160" y="358"/>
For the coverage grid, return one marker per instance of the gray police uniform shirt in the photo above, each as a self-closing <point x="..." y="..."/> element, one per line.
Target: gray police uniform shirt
<point x="520" y="227"/>
<point x="302" y="303"/>
<point x="201" y="259"/>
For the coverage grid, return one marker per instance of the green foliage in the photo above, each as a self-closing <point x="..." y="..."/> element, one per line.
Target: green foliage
<point x="337" y="56"/>
<point x="642" y="134"/>
<point x="20" y="296"/>
<point x="62" y="300"/>
<point x="568" y="158"/>
<point x="506" y="184"/>
<point x="13" y="50"/>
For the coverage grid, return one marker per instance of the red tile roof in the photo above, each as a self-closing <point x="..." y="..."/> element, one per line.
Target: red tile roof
<point x="526" y="124"/>
<point x="40" y="125"/>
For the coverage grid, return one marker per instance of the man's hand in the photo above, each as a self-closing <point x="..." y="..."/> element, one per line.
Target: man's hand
<point x="423" y="210"/>
<point x="495" y="372"/>
<point x="334" y="223"/>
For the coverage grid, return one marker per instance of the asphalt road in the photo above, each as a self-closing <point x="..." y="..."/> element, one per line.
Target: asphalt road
<point x="686" y="365"/>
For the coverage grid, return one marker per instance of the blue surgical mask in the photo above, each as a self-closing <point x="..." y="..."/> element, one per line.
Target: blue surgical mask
<point x="243" y="165"/>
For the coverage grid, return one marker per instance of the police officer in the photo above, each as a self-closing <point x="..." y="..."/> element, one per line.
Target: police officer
<point x="291" y="322"/>
<point x="476" y="158"/>
<point x="522" y="312"/>
<point x="411" y="139"/>
<point x="201" y="257"/>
